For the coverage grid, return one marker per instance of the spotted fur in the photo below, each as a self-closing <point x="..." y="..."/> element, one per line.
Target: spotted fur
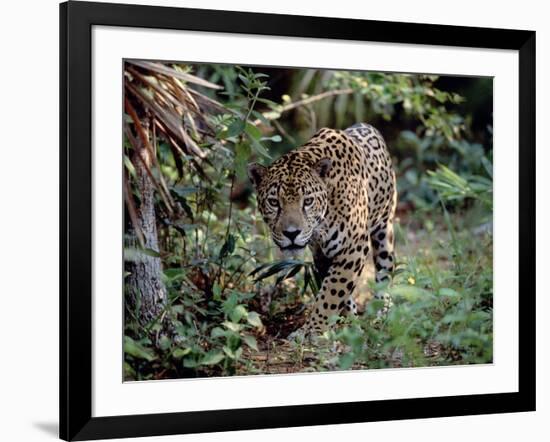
<point x="337" y="195"/>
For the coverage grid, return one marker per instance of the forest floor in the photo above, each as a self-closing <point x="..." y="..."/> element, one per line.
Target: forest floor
<point x="442" y="315"/>
<point x="278" y="355"/>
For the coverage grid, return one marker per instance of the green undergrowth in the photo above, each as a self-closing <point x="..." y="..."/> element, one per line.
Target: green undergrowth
<point x="441" y="314"/>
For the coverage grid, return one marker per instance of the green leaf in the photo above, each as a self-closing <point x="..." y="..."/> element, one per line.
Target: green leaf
<point x="242" y="155"/>
<point x="179" y="353"/>
<point x="136" y="350"/>
<point x="184" y="191"/>
<point x="487" y="165"/>
<point x="257" y="146"/>
<point x="346" y="361"/>
<point x="253" y="131"/>
<point x="129" y="166"/>
<point x="251" y="342"/>
<point x="231" y="302"/>
<point x="235" y="128"/>
<point x="440" y="96"/>
<point x="238" y="313"/>
<point x="178" y="309"/>
<point x="244" y="79"/>
<point x="179" y="193"/>
<point x="254" y="319"/>
<point x="174" y="273"/>
<point x="259" y="268"/>
<point x="232" y="326"/>
<point x="129" y="372"/>
<point x="293" y="271"/>
<point x="212" y="358"/>
<point x="270" y="103"/>
<point x="456" y="98"/>
<point x="448" y="292"/>
<point x="164" y="342"/>
<point x="273" y="268"/>
<point x="190" y="362"/>
<point x="274" y="138"/>
<point x="230" y="353"/>
<point x="233" y="354"/>
<point x="410" y="292"/>
<point x="217" y="292"/>
<point x="218" y="332"/>
<point x="228" y="247"/>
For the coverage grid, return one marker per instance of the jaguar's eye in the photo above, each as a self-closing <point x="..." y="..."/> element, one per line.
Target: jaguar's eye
<point x="308" y="201"/>
<point x="273" y="202"/>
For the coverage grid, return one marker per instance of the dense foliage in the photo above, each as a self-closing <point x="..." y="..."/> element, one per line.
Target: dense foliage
<point x="230" y="301"/>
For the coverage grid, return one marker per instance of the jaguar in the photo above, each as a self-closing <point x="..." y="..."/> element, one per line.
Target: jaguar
<point x="337" y="195"/>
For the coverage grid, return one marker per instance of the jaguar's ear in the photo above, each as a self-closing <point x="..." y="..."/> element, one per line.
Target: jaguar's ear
<point x="256" y="173"/>
<point x="323" y="166"/>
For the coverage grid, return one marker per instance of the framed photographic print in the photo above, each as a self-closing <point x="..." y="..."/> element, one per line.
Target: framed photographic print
<point x="274" y="220"/>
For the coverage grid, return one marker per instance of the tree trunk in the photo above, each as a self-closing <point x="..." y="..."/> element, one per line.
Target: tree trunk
<point x="144" y="287"/>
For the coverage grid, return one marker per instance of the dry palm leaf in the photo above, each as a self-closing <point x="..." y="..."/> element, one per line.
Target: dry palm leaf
<point x="159" y="101"/>
<point x="171" y="72"/>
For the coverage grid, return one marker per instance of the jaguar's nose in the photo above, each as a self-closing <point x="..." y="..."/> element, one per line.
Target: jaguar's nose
<point x="291" y="234"/>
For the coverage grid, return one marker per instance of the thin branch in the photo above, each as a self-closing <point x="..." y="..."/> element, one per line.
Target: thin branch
<point x="273" y="115"/>
<point x="228" y="227"/>
<point x="283" y="132"/>
<point x="315" y="98"/>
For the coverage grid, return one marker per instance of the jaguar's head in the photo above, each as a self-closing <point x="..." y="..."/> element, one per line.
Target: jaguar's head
<point x="293" y="200"/>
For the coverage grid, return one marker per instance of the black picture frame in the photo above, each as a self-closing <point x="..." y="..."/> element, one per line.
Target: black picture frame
<point x="76" y="21"/>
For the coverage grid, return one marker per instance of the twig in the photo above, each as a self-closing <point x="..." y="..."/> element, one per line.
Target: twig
<point x="315" y="98"/>
<point x="282" y="130"/>
<point x="218" y="276"/>
<point x="304" y="102"/>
